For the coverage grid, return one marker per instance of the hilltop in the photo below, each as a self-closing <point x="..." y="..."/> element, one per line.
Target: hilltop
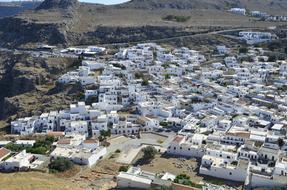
<point x="58" y="4"/>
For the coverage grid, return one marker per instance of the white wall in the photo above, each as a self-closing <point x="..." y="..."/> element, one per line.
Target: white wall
<point x="225" y="173"/>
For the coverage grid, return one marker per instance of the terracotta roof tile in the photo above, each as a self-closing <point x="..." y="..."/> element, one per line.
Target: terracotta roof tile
<point x="4" y="152"/>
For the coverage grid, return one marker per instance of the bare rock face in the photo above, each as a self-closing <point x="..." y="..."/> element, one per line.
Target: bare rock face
<point x="26" y="84"/>
<point x="56" y="4"/>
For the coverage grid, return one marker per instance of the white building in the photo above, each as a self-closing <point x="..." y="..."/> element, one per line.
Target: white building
<point x="187" y="146"/>
<point x="20" y="161"/>
<point x="219" y="168"/>
<point x="239" y="11"/>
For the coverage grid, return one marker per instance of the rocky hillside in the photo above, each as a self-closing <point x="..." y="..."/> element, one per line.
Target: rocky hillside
<point x="28" y="84"/>
<point x="180" y="4"/>
<point x="276" y="5"/>
<point x="16" y="31"/>
<point x="13" y="8"/>
<point x="56" y="4"/>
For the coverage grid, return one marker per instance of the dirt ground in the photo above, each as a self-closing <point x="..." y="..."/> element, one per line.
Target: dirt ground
<point x="158" y="138"/>
<point x="35" y="181"/>
<point x="175" y="166"/>
<point x="99" y="177"/>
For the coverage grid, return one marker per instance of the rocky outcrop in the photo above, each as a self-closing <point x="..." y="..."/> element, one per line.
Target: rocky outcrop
<point x="13" y="8"/>
<point x="15" y="32"/>
<point x="26" y="81"/>
<point x="56" y="34"/>
<point x="38" y="101"/>
<point x="106" y="35"/>
<point x="58" y="4"/>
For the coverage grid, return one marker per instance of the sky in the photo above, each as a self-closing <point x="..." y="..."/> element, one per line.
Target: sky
<point x="108" y="2"/>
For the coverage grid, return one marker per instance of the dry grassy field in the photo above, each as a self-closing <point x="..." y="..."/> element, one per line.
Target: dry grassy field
<point x="100" y="177"/>
<point x="88" y="18"/>
<point x="35" y="181"/>
<point x="173" y="165"/>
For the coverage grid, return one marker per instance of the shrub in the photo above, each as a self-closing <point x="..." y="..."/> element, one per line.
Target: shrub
<point x="235" y="163"/>
<point x="123" y="169"/>
<point x="60" y="165"/>
<point x="163" y="123"/>
<point x="176" y="18"/>
<point x="185" y="180"/>
<point x="14" y="147"/>
<point x="118" y="151"/>
<point x="41" y="146"/>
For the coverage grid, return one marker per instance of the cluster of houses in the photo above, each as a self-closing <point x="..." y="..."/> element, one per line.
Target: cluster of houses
<point x="86" y="51"/>
<point x="238" y="11"/>
<point x="74" y="147"/>
<point x="259" y="14"/>
<point x="252" y="37"/>
<point x="251" y="157"/>
<point x="139" y="179"/>
<point x="78" y="149"/>
<point x="16" y="162"/>
<point x="231" y="114"/>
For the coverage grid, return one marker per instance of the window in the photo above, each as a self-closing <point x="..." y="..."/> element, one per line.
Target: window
<point x="230" y="173"/>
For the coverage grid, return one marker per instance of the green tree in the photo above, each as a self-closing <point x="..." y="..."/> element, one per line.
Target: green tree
<point x="138" y="75"/>
<point x="163" y="123"/>
<point x="243" y="50"/>
<point x="280" y="142"/>
<point x="104" y="134"/>
<point x="167" y="76"/>
<point x="107" y="133"/>
<point x="145" y="82"/>
<point x="149" y="152"/>
<point x="61" y="165"/>
<point x="272" y="58"/>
